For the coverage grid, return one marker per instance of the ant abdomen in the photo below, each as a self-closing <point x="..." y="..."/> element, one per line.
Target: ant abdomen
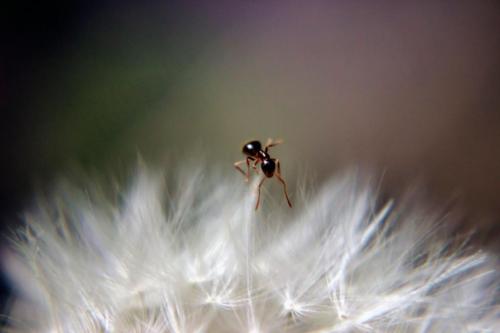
<point x="268" y="166"/>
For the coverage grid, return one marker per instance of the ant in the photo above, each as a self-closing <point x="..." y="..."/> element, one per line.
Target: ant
<point x="270" y="166"/>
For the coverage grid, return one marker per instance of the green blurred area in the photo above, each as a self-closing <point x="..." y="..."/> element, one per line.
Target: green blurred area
<point x="104" y="87"/>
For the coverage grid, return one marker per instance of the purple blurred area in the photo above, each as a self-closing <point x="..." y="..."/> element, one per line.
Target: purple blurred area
<point x="408" y="89"/>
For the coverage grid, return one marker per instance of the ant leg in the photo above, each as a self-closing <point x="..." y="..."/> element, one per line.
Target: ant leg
<point x="258" y="193"/>
<point x="278" y="175"/>
<point x="271" y="143"/>
<point x="284" y="190"/>
<point x="237" y="166"/>
<point x="254" y="166"/>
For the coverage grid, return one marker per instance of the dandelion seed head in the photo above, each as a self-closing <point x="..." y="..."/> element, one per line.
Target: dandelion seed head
<point x="214" y="299"/>
<point x="292" y="306"/>
<point x="195" y="257"/>
<point x="257" y="330"/>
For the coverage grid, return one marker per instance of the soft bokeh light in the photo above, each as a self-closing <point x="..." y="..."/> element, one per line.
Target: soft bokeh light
<point x="409" y="89"/>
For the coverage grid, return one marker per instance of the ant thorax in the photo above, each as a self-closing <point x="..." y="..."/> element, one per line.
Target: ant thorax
<point x="263" y="155"/>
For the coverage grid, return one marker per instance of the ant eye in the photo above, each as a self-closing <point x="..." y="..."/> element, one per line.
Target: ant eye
<point x="252" y="148"/>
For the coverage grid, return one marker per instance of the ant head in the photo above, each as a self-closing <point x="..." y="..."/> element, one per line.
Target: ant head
<point x="252" y="148"/>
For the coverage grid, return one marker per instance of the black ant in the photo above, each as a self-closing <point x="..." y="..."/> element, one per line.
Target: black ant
<point x="270" y="166"/>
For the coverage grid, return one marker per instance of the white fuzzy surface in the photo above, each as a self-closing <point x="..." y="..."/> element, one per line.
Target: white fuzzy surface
<point x="194" y="256"/>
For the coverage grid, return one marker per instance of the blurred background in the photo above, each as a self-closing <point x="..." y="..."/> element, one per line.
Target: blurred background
<point x="410" y="90"/>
